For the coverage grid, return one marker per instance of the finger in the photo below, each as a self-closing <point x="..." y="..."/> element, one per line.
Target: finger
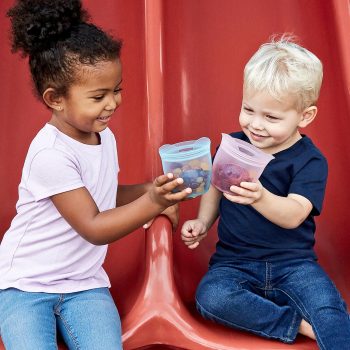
<point x="171" y="185"/>
<point x="189" y="240"/>
<point x="252" y="186"/>
<point x="148" y="224"/>
<point x="163" y="179"/>
<point x="242" y="192"/>
<point x="179" y="196"/>
<point x="238" y="199"/>
<point x="194" y="245"/>
<point x="186" y="236"/>
<point x="193" y="240"/>
<point x="196" y="231"/>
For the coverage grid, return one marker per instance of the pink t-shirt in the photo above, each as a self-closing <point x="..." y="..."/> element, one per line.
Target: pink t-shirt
<point x="41" y="252"/>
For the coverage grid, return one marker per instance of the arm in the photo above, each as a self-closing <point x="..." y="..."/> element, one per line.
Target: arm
<point x="193" y="231"/>
<point x="287" y="212"/>
<point x="129" y="193"/>
<point x="209" y="207"/>
<point x="80" y="211"/>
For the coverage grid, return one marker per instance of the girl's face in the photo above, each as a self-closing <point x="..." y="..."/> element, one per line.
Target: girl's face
<point x="269" y="124"/>
<point x="89" y="105"/>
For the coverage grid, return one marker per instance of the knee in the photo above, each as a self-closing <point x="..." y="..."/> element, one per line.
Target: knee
<point x="329" y="307"/>
<point x="210" y="298"/>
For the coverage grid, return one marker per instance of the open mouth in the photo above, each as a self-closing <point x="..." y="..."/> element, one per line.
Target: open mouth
<point x="257" y="137"/>
<point x="104" y="119"/>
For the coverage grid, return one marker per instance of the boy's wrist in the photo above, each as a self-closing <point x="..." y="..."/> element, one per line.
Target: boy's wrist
<point x="263" y="193"/>
<point x="204" y="222"/>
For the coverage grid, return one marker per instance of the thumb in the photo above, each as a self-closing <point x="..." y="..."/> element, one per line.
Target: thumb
<point x="197" y="229"/>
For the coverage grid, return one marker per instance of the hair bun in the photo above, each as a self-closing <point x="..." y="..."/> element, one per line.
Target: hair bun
<point x="39" y="24"/>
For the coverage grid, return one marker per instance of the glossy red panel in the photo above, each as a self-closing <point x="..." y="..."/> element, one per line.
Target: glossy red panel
<point x="182" y="78"/>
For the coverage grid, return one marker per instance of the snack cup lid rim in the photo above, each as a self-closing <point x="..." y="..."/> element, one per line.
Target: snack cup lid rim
<point x="200" y="147"/>
<point x="244" y="156"/>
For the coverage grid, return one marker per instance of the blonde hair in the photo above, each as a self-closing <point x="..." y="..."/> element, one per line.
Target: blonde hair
<point x="283" y="69"/>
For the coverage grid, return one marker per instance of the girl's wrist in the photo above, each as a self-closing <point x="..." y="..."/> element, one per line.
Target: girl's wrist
<point x="154" y="202"/>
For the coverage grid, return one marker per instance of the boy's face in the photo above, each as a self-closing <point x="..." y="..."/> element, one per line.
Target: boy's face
<point x="269" y="124"/>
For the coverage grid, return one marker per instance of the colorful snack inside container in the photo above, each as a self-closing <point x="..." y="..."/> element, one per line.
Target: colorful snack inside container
<point x="190" y="160"/>
<point x="237" y="161"/>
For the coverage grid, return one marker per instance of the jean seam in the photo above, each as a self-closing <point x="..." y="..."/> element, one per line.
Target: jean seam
<point x="266" y="279"/>
<point x="69" y="331"/>
<point x="240" y="327"/>
<point x="305" y="314"/>
<point x="57" y="306"/>
<point x="292" y="325"/>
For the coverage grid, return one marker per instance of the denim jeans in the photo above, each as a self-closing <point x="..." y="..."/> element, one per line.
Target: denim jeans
<point x="271" y="298"/>
<point x="86" y="320"/>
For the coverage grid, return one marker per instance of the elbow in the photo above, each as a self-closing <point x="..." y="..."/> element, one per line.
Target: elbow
<point x="291" y="224"/>
<point x="93" y="236"/>
<point x="94" y="239"/>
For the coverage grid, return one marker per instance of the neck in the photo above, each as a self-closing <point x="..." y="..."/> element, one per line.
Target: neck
<point x="88" y="138"/>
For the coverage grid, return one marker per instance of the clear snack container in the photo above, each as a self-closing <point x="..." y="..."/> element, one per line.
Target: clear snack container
<point x="190" y="160"/>
<point x="237" y="161"/>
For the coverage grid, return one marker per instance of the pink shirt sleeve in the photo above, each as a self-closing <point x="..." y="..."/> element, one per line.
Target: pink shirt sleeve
<point x="51" y="172"/>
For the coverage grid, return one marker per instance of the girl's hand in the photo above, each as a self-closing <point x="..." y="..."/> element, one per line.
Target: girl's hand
<point x="172" y="213"/>
<point x="161" y="191"/>
<point x="246" y="193"/>
<point x="192" y="232"/>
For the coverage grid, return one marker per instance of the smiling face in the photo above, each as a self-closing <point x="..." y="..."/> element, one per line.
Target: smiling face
<point x="90" y="103"/>
<point x="270" y="124"/>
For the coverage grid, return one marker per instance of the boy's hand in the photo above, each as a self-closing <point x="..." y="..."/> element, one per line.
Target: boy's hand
<point x="246" y="193"/>
<point x="192" y="232"/>
<point x="161" y="190"/>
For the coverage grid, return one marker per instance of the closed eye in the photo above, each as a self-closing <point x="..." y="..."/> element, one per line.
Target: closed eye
<point x="271" y="117"/>
<point x="98" y="98"/>
<point x="247" y="109"/>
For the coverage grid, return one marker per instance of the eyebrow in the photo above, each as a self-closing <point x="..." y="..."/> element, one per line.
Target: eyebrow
<point x="265" y="111"/>
<point x="103" y="90"/>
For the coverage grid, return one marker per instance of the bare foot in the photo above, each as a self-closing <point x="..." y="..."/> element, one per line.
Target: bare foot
<point x="306" y="329"/>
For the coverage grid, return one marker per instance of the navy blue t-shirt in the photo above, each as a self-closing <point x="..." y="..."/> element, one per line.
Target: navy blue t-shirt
<point x="245" y="233"/>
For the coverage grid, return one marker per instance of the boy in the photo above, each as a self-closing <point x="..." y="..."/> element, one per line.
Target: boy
<point x="264" y="277"/>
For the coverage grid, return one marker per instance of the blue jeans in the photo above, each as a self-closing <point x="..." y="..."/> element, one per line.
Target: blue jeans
<point x="271" y="298"/>
<point x="86" y="320"/>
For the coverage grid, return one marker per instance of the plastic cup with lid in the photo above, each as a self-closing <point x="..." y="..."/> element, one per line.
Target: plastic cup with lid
<point x="237" y="161"/>
<point x="190" y="160"/>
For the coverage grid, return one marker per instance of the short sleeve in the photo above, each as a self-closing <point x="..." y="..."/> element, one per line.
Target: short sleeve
<point x="310" y="182"/>
<point x="51" y="172"/>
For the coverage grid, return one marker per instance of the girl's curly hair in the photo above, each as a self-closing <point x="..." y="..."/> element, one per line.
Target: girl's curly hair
<point x="57" y="37"/>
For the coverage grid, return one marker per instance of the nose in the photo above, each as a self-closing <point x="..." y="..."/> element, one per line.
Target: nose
<point x="256" y="123"/>
<point x="113" y="102"/>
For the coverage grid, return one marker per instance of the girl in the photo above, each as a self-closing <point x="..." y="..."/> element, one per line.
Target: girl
<point x="68" y="209"/>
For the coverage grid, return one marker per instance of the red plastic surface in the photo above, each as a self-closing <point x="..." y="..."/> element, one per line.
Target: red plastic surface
<point x="183" y="62"/>
<point x="159" y="316"/>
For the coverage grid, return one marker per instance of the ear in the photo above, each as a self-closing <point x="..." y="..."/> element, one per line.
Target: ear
<point x="52" y="100"/>
<point x="308" y="115"/>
